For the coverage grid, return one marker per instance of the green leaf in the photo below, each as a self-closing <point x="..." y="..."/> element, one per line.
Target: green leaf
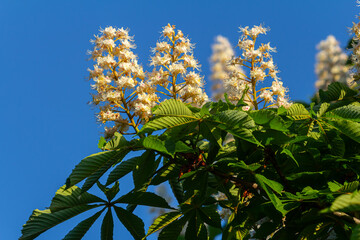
<point x="349" y="187"/>
<point x="336" y="143"/>
<point x="118" y="141"/>
<point x="262" y="116"/>
<point x="166" y="123"/>
<point x="196" y="229"/>
<point x="72" y="197"/>
<point x="334" y="186"/>
<point x="346" y="203"/>
<point x="279" y="124"/>
<point x="350" y="112"/>
<point x="173" y="107"/>
<point x="298" y="112"/>
<point x="94" y="166"/>
<point x="101" y="143"/>
<point x="171" y="171"/>
<point x="173" y="230"/>
<point x="81" y="229"/>
<point x="349" y="128"/>
<point x="92" y="179"/>
<point x="315" y="231"/>
<point x="177" y="189"/>
<point x="163" y="220"/>
<point x="355" y="233"/>
<point x="235" y="118"/>
<point x="294" y="176"/>
<point x="289" y="153"/>
<point x="143" y="198"/>
<point x="336" y="91"/>
<point x="170" y="113"/>
<point x="121" y="170"/>
<point x="210" y="215"/>
<point x="323" y="108"/>
<point x="132" y="222"/>
<point x="107" y="226"/>
<point x="244" y="134"/>
<point x="40" y="221"/>
<point x="264" y="183"/>
<point x="266" y="116"/>
<point x="144" y="169"/>
<point x="110" y="193"/>
<point x="277" y="187"/>
<point x="154" y="143"/>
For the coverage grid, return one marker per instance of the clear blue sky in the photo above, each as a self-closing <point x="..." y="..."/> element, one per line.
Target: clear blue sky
<point x="47" y="126"/>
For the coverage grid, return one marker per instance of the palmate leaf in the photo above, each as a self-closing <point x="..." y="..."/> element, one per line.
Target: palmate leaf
<point x="173" y="230"/>
<point x="93" y="178"/>
<point x="72" y="197"/>
<point x="169" y="147"/>
<point x="163" y="220"/>
<point x="277" y="187"/>
<point x="210" y="215"/>
<point x="116" y="142"/>
<point x="170" y="171"/>
<point x="235" y="118"/>
<point x="81" y="229"/>
<point x="40" y="221"/>
<point x="298" y="112"/>
<point x="66" y="204"/>
<point x="177" y="189"/>
<point x="349" y="128"/>
<point x="349" y="112"/>
<point x="173" y="107"/>
<point x="144" y="169"/>
<point x="237" y="123"/>
<point x="121" y="170"/>
<point x="266" y="116"/>
<point x="315" y="231"/>
<point x="336" y="91"/>
<point x="268" y="186"/>
<point x="166" y="122"/>
<point x="94" y="166"/>
<point x="196" y="228"/>
<point x="346" y="188"/>
<point x="170" y="113"/>
<point x="110" y="192"/>
<point x="143" y="198"/>
<point x="132" y="222"/>
<point x="107" y="226"/>
<point x="346" y="203"/>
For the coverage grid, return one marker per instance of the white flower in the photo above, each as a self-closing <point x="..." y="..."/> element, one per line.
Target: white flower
<point x="277" y="88"/>
<point x="189" y="61"/>
<point x="193" y="78"/>
<point x="258" y="74"/>
<point x="108" y="43"/>
<point x="168" y="31"/>
<point x="331" y="63"/>
<point x="106" y="62"/>
<point x="109" y="32"/>
<point x="162" y="47"/>
<point x="267" y="96"/>
<point x="177" y="68"/>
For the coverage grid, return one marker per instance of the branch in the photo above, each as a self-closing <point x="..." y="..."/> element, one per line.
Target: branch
<point x="347" y="217"/>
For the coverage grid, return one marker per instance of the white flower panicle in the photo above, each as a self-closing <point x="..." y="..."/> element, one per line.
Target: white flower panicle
<point x="330" y="64"/>
<point x="222" y="70"/>
<point x="175" y="68"/>
<point x="356" y="55"/>
<point x="116" y="74"/>
<point x="261" y="65"/>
